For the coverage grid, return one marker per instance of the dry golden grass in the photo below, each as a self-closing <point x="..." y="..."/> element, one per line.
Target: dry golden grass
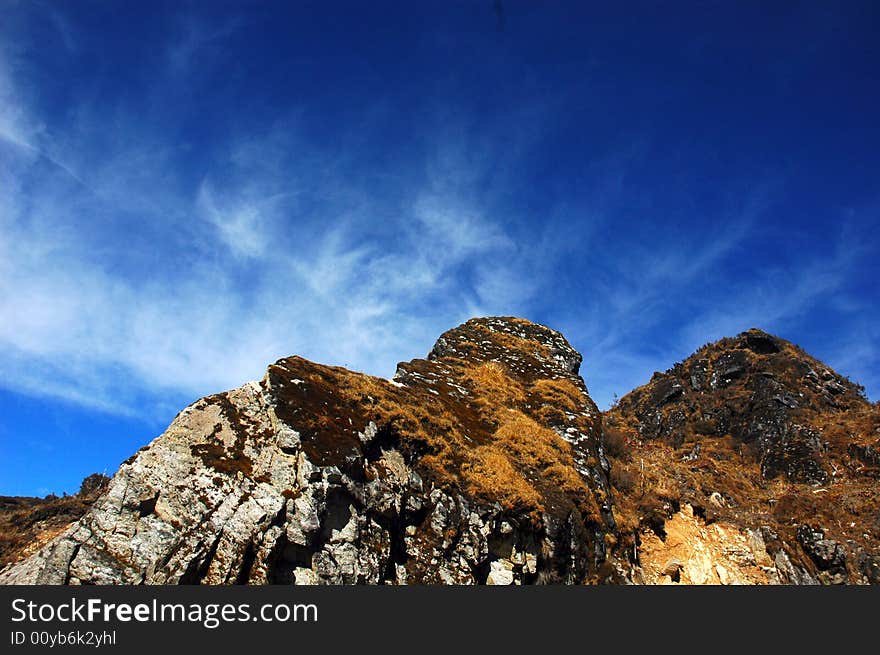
<point x="530" y="444"/>
<point x="859" y="426"/>
<point x="570" y="482"/>
<point x="559" y="393"/>
<point x="491" y="475"/>
<point x="652" y="479"/>
<point x="531" y="462"/>
<point x="514" y="343"/>
<point x="556" y="400"/>
<point x="493" y="386"/>
<point x="466" y="347"/>
<point x="615" y="442"/>
<point x="429" y="427"/>
<point x="722" y="479"/>
<point x="28" y="523"/>
<point x="487" y="445"/>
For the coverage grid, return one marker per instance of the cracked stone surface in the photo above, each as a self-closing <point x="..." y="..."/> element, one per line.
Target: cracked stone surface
<point x="297" y="480"/>
<point x="487" y="462"/>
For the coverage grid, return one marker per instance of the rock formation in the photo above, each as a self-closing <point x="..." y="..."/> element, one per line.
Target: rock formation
<point x="750" y="445"/>
<point x="487" y="462"/>
<point x="479" y="464"/>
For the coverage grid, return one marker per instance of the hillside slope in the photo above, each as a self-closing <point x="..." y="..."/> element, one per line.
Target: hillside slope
<point x="753" y="435"/>
<point x="28" y="523"/>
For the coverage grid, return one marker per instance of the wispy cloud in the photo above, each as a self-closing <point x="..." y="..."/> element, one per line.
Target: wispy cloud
<point x="674" y="298"/>
<point x="16" y="126"/>
<point x="780" y="294"/>
<point x="193" y="38"/>
<point x="133" y="285"/>
<point x="240" y="224"/>
<point x="140" y="265"/>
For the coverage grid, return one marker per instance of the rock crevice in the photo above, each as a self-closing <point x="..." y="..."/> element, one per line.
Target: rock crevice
<point x="480" y="464"/>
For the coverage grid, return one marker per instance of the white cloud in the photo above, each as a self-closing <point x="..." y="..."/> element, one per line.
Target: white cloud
<point x="240" y="225"/>
<point x="127" y="293"/>
<point x="452" y="232"/>
<point x="129" y="280"/>
<point x="16" y="126"/>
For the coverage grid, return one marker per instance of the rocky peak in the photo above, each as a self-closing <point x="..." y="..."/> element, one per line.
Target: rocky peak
<point x="480" y="464"/>
<point x="526" y="348"/>
<point x="760" y="342"/>
<point x="757" y="436"/>
<point x="762" y="390"/>
<point x="487" y="462"/>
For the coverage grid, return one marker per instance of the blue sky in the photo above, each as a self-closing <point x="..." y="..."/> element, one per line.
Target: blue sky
<point x="190" y="191"/>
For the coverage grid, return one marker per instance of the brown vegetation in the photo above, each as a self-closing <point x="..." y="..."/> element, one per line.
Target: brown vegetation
<point x="495" y="441"/>
<point x="696" y="446"/>
<point x="492" y="386"/>
<point x="28" y="523"/>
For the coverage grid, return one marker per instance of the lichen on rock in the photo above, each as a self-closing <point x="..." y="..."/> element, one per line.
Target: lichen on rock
<point x="480" y="464"/>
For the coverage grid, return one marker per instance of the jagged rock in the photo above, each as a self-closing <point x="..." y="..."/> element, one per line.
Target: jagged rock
<point x="751" y="432"/>
<point x="488" y="463"/>
<point x="693" y="552"/>
<point x="829" y="556"/>
<point x="757" y="396"/>
<point x="479" y="464"/>
<point x="500" y="573"/>
<point x="761" y="342"/>
<point x="672" y="568"/>
<point x="26" y="524"/>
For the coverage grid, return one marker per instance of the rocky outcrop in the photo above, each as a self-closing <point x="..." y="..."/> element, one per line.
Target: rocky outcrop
<point x="756" y="388"/>
<point x="758" y="440"/>
<point x="692" y="552"/>
<point x="487" y="463"/>
<point x="481" y="464"/>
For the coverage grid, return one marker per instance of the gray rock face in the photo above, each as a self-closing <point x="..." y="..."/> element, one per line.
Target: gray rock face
<point x="295" y="480"/>
<point x="828" y="555"/>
